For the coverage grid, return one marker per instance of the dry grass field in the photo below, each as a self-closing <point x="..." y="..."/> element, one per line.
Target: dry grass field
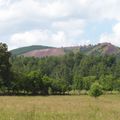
<point x="60" y="108"/>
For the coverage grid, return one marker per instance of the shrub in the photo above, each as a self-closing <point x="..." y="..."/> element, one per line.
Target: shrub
<point x="95" y="90"/>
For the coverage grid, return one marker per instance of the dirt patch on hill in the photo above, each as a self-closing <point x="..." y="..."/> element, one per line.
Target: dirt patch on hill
<point x="45" y="52"/>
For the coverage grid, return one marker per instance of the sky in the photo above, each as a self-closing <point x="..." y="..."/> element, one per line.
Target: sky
<point x="59" y="23"/>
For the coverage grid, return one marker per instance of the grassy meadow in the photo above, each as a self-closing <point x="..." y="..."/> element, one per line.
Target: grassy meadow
<point x="106" y="107"/>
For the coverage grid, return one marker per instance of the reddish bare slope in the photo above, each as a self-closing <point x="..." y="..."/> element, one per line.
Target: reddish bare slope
<point x="110" y="49"/>
<point x="104" y="49"/>
<point x="45" y="52"/>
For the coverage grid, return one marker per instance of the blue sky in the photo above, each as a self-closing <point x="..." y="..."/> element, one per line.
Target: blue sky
<point x="59" y="22"/>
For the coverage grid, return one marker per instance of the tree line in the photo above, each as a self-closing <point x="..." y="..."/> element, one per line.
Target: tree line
<point x="57" y="75"/>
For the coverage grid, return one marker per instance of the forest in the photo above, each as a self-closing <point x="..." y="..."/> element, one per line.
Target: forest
<point x="21" y="75"/>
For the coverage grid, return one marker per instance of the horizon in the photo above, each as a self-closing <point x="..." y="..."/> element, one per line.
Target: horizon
<point x="59" y="23"/>
<point x="65" y="46"/>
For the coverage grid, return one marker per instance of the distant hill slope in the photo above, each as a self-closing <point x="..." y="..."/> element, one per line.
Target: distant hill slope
<point x="45" y="52"/>
<point x="101" y="49"/>
<point x="42" y="51"/>
<point x="22" y="50"/>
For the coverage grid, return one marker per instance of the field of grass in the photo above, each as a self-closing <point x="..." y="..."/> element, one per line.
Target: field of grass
<point x="82" y="107"/>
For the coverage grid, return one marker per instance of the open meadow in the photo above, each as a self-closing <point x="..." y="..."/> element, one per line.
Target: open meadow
<point x="106" y="107"/>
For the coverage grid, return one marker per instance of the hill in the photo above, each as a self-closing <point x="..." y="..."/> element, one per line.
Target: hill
<point x="22" y="50"/>
<point x="42" y="51"/>
<point x="101" y="49"/>
<point x="45" y="52"/>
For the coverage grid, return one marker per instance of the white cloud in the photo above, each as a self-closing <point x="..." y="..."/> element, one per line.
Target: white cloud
<point x="72" y="27"/>
<point x="64" y="18"/>
<point x="114" y="37"/>
<point x="32" y="9"/>
<point x="97" y="9"/>
<point x="70" y="24"/>
<point x="15" y="14"/>
<point x="52" y="9"/>
<point x="41" y="37"/>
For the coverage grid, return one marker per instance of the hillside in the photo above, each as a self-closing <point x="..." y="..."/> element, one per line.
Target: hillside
<point x="42" y="51"/>
<point x="45" y="52"/>
<point x="22" y="50"/>
<point x="100" y="49"/>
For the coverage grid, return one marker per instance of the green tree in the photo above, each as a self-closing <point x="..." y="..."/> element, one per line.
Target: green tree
<point x="88" y="81"/>
<point x="35" y="82"/>
<point x="107" y="82"/>
<point x="78" y="83"/>
<point x="117" y="85"/>
<point x="5" y="65"/>
<point x="46" y="84"/>
<point x="95" y="90"/>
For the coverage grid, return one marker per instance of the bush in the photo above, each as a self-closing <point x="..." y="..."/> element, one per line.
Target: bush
<point x="95" y="90"/>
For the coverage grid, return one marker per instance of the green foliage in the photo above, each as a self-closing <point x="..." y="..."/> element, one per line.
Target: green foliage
<point x="88" y="81"/>
<point x="46" y="84"/>
<point x="4" y="65"/>
<point x="107" y="82"/>
<point x="35" y="82"/>
<point x="57" y="75"/>
<point x="72" y="71"/>
<point x="96" y="90"/>
<point x="78" y="83"/>
<point x="117" y="85"/>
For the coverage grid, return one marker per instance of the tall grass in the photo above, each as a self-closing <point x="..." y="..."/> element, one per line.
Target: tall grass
<point x="82" y="107"/>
